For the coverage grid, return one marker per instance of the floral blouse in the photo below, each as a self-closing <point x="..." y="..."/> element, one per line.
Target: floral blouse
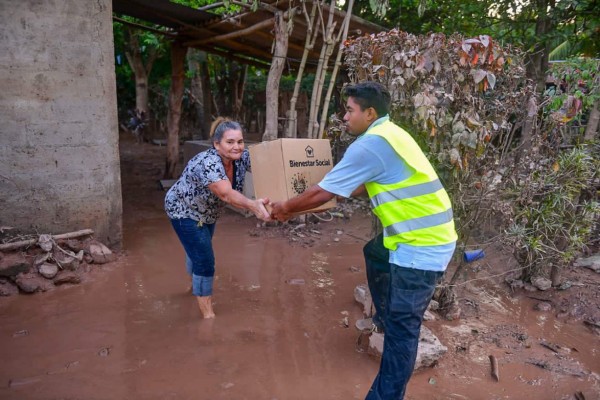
<point x="190" y="196"/>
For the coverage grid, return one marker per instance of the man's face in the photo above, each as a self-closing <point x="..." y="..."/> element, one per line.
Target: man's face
<point x="357" y="120"/>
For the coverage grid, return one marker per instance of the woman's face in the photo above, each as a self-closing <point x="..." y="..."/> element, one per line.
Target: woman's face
<point x="231" y="146"/>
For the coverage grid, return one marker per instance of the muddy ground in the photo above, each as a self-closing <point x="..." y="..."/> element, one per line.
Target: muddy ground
<point x="131" y="330"/>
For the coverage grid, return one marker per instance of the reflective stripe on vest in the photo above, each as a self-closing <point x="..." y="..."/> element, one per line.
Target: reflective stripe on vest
<point x="417" y="210"/>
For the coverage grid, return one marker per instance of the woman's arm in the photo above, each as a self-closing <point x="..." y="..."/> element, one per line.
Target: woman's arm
<point x="223" y="190"/>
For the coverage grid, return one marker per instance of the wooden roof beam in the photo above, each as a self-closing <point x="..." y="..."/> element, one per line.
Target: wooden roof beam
<point x="231" y="35"/>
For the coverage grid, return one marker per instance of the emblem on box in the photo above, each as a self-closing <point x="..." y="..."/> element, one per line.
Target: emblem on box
<point x="299" y="183"/>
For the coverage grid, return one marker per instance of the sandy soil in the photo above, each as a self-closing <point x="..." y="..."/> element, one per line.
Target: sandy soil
<point x="130" y="330"/>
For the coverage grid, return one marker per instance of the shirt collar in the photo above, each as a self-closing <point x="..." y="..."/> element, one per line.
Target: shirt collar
<point x="378" y="121"/>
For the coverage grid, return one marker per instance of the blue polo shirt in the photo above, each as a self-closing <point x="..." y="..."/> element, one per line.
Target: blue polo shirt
<point x="371" y="159"/>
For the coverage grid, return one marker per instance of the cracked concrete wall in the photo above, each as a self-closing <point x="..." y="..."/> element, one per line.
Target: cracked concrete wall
<point x="59" y="154"/>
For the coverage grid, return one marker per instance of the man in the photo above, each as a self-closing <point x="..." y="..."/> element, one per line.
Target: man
<point x="405" y="262"/>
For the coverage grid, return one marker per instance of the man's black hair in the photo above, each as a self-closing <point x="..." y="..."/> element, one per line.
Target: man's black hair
<point x="370" y="94"/>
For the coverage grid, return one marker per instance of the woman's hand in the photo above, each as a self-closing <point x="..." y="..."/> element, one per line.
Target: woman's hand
<point x="260" y="211"/>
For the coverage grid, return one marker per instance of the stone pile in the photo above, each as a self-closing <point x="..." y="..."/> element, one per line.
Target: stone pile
<point x="430" y="348"/>
<point x="48" y="263"/>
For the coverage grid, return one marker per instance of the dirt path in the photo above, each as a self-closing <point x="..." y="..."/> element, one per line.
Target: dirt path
<point x="131" y="330"/>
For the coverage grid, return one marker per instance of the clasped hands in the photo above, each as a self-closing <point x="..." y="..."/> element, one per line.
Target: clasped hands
<point x="278" y="210"/>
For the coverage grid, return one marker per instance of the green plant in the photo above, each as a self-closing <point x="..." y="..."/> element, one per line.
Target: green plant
<point x="555" y="209"/>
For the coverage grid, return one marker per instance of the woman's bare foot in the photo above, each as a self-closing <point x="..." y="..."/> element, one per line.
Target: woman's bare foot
<point x="205" y="304"/>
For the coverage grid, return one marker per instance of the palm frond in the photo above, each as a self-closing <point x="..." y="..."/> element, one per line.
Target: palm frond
<point x="564" y="50"/>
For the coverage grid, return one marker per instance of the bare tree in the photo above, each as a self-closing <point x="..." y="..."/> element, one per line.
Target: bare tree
<point x="326" y="51"/>
<point x="178" y="53"/>
<point x="282" y="29"/>
<point x="141" y="69"/>
<point x="338" y="62"/>
<point x="311" y="37"/>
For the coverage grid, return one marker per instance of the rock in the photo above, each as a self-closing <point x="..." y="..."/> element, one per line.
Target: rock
<point x="365" y="324"/>
<point x="430" y="348"/>
<point x="67" y="277"/>
<point x="541" y="283"/>
<point x="32" y="282"/>
<point x="45" y="242"/>
<point x="74" y="245"/>
<point x="40" y="259"/>
<point x="529" y="288"/>
<point x="354" y="268"/>
<point x="13" y="264"/>
<point x="592" y="263"/>
<point x="363" y="296"/>
<point x="453" y="313"/>
<point x="516" y="284"/>
<point x="428" y="316"/>
<point x="565" y="285"/>
<point x="7" y="288"/>
<point x="100" y="253"/>
<point x="87" y="259"/>
<point x="543" y="306"/>
<point x="66" y="261"/>
<point x="595" y="267"/>
<point x="433" y="305"/>
<point x="376" y="344"/>
<point x="48" y="270"/>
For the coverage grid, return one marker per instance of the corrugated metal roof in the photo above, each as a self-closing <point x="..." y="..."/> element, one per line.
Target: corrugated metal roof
<point x="252" y="30"/>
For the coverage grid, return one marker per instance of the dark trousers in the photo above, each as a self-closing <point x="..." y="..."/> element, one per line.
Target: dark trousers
<point x="400" y="296"/>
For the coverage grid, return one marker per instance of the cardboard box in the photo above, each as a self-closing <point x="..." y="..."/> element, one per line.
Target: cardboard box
<point x="284" y="168"/>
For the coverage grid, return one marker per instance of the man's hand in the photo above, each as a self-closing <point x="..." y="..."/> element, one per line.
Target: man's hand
<point x="279" y="211"/>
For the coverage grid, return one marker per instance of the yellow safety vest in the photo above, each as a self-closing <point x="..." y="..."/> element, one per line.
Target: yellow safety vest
<point x="416" y="211"/>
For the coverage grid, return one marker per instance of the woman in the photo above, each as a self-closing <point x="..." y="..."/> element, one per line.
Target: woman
<point x="210" y="179"/>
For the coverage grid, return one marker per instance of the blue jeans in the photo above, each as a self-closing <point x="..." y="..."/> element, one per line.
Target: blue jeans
<point x="400" y="296"/>
<point x="199" y="257"/>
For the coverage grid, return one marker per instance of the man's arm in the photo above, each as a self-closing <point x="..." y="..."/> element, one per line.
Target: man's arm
<point x="359" y="190"/>
<point x="313" y="197"/>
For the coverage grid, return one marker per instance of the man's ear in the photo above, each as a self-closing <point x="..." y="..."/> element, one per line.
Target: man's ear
<point x="372" y="114"/>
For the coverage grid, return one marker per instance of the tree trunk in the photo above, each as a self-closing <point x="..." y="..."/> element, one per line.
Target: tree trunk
<point x="326" y="50"/>
<point x="178" y="53"/>
<point x="141" y="72"/>
<point x="538" y="59"/>
<point x="237" y="89"/>
<point x="207" y="92"/>
<point x="195" y="57"/>
<point x="555" y="275"/>
<point x="272" y="91"/>
<point x="591" y="131"/>
<point x="528" y="125"/>
<point x="221" y="79"/>
<point x="338" y="63"/>
<point x="311" y="37"/>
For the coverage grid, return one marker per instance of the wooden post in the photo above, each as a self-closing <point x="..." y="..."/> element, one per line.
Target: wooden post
<point x="338" y="63"/>
<point x="178" y="54"/>
<point x="309" y="44"/>
<point x="272" y="90"/>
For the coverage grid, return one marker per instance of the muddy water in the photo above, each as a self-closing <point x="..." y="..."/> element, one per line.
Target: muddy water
<point x="273" y="338"/>
<point x="131" y="331"/>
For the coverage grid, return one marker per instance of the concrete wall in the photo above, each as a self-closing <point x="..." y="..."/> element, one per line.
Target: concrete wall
<point x="59" y="158"/>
